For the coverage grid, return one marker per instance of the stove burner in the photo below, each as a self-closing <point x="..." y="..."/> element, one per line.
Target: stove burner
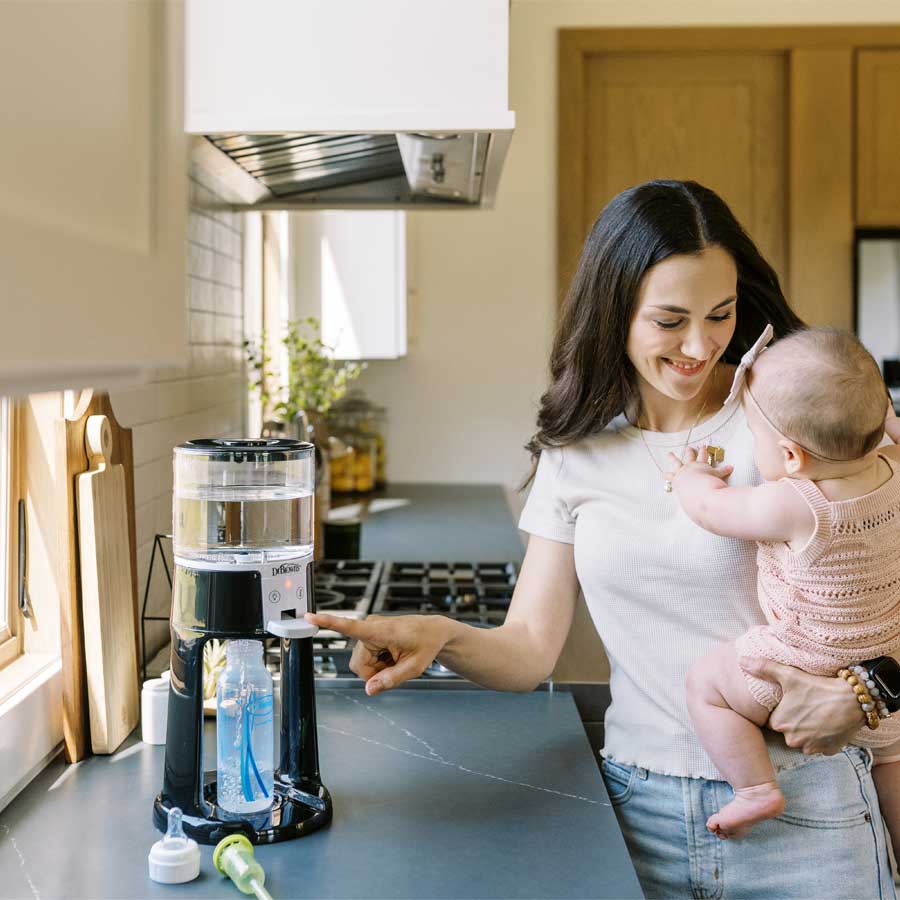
<point x="327" y="599"/>
<point x="478" y="594"/>
<point x="475" y="593"/>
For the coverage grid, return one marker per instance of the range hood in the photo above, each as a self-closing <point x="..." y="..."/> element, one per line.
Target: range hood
<point x="350" y="104"/>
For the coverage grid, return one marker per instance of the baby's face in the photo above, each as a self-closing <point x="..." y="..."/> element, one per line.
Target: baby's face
<point x="767" y="454"/>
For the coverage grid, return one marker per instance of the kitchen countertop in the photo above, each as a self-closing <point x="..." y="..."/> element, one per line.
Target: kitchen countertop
<point x="436" y="794"/>
<point x="451" y="522"/>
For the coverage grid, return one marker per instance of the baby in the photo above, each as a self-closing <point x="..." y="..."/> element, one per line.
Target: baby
<point x="827" y="519"/>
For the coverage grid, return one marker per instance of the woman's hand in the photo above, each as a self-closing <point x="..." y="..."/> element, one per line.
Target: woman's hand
<point x="389" y="649"/>
<point x="817" y="714"/>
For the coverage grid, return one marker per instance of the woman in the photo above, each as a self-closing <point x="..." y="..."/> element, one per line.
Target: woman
<point x="669" y="293"/>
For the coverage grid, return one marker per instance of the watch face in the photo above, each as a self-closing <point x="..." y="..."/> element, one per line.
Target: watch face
<point x="887" y="674"/>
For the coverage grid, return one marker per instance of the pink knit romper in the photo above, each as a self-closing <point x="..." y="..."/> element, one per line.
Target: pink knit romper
<point x="836" y="601"/>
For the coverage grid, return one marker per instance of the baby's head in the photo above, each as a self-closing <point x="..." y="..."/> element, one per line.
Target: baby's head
<point x="818" y="390"/>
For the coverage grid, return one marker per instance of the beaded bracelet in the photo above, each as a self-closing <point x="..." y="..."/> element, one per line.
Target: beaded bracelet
<point x="880" y="706"/>
<point x="868" y="695"/>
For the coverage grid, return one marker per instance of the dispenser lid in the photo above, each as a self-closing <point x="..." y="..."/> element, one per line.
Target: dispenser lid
<point x="264" y="449"/>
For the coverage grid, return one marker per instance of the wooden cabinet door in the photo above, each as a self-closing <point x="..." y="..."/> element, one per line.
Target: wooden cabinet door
<point x="878" y="138"/>
<point x="93" y="180"/>
<point x="716" y="118"/>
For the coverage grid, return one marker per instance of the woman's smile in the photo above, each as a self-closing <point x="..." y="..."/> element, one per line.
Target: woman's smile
<point x="685" y="368"/>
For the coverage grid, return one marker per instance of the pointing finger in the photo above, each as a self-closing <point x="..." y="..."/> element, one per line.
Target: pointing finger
<point x="352" y="628"/>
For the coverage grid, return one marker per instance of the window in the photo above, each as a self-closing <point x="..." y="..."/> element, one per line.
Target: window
<point x="31" y="706"/>
<point x="9" y="646"/>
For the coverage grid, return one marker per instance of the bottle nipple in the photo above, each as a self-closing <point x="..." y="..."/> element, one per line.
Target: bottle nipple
<point x="175" y="830"/>
<point x="176" y="858"/>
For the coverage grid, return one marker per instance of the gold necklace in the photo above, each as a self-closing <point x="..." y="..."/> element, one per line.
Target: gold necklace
<point x="667" y="486"/>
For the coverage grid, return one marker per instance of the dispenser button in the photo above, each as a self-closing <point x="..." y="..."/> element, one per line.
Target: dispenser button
<point x="274" y="596"/>
<point x="299" y="593"/>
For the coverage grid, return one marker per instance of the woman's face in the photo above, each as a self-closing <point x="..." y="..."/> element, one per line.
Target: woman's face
<point x="684" y="319"/>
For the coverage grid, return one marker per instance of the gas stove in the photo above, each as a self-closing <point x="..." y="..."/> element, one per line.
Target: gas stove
<point x="476" y="593"/>
<point x="346" y="587"/>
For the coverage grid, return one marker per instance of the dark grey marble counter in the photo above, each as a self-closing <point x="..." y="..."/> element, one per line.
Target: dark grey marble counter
<point x="436" y="794"/>
<point x="443" y="522"/>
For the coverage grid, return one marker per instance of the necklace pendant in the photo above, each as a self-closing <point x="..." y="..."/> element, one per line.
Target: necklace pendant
<point x="668" y="486"/>
<point x="714" y="455"/>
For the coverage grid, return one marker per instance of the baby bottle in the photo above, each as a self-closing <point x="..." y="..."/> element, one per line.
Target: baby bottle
<point x="244" y="736"/>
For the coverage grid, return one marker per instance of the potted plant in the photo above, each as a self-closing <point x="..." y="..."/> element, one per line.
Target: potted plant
<point x="313" y="380"/>
<point x="300" y="397"/>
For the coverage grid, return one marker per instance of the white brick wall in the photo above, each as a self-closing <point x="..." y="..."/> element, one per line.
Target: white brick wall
<point x="208" y="398"/>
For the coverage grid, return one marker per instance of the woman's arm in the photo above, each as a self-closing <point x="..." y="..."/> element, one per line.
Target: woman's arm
<point x="520" y="654"/>
<point x="516" y="656"/>
<point x="817" y="714"/>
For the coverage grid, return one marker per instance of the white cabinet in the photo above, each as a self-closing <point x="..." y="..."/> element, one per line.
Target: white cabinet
<point x="93" y="181"/>
<point x="349" y="271"/>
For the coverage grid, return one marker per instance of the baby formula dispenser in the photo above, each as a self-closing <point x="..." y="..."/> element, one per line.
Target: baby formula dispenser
<point x="243" y="542"/>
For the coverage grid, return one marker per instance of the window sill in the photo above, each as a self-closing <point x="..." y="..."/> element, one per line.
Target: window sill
<point x="30" y="719"/>
<point x="19" y="674"/>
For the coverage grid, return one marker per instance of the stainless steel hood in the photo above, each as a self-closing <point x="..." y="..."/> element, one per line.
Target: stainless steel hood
<point x="304" y="171"/>
<point x="395" y="104"/>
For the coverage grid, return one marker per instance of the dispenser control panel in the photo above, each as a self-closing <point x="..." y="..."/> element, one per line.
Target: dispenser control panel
<point x="286" y="589"/>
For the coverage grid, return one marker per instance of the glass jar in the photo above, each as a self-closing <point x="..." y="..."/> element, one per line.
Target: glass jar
<point x="361" y="425"/>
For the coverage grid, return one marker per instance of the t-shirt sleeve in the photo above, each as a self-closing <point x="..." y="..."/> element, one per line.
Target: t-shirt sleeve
<point x="546" y="513"/>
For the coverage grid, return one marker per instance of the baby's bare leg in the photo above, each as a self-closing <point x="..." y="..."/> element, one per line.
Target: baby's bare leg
<point x="886" y="773"/>
<point x="727" y="720"/>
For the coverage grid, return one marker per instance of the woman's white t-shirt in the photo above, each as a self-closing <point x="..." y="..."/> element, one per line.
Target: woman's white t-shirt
<point x="661" y="591"/>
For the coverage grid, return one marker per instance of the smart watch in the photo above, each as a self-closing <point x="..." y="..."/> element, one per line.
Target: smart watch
<point x="885" y="672"/>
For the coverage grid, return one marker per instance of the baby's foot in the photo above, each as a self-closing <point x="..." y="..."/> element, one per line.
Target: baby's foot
<point x="750" y="805"/>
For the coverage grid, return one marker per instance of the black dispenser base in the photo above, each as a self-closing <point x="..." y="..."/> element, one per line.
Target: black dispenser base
<point x="295" y="812"/>
<point x="228" y="605"/>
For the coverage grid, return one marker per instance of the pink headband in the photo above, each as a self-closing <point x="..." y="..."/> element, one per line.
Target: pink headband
<point x="747" y="360"/>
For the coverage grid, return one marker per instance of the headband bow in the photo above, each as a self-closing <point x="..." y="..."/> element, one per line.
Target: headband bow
<point x="747" y="360"/>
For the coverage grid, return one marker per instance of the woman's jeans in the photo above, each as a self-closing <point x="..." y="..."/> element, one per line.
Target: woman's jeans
<point x="829" y="843"/>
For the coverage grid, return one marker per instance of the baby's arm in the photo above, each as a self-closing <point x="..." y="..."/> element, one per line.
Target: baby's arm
<point x="774" y="511"/>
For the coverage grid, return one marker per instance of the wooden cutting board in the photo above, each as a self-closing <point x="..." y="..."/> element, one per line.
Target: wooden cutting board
<point x="106" y="592"/>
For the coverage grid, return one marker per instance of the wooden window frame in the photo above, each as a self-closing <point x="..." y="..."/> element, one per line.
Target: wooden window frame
<point x="11" y="633"/>
<point x="33" y="645"/>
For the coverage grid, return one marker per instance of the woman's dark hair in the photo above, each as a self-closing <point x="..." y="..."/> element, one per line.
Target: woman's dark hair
<point x="592" y="379"/>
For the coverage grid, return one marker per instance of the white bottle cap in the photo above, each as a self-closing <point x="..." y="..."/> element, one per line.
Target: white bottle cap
<point x="176" y="858"/>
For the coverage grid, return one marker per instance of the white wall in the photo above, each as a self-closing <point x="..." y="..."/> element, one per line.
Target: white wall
<point x="463" y="402"/>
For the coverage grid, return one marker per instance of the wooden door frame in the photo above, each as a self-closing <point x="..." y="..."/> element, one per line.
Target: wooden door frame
<point x="577" y="45"/>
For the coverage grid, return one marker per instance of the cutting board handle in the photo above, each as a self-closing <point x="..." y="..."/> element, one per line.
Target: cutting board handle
<point x="98" y="442"/>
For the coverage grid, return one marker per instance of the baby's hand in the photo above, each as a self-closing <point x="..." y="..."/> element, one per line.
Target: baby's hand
<point x="694" y="464"/>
